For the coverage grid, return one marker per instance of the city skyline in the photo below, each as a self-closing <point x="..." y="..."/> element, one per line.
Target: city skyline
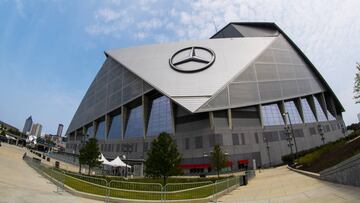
<point x="38" y="52"/>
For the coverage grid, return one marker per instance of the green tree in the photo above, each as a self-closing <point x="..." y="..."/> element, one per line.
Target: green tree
<point x="163" y="158"/>
<point x="357" y="84"/>
<point x="90" y="154"/>
<point x="218" y="159"/>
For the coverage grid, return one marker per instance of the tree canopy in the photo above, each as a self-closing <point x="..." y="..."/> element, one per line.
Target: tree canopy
<point x="90" y="153"/>
<point x="163" y="158"/>
<point x="218" y="159"/>
<point x="357" y="84"/>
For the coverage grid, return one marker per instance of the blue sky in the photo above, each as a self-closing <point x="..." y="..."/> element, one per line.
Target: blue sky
<point x="50" y="51"/>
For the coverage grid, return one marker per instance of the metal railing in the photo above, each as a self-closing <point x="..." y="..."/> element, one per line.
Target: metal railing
<point x="112" y="189"/>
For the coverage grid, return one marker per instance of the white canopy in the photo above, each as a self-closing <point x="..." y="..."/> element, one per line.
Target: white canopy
<point x="104" y="160"/>
<point x="118" y="163"/>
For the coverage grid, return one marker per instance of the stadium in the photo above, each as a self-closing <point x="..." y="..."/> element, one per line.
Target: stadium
<point x="248" y="88"/>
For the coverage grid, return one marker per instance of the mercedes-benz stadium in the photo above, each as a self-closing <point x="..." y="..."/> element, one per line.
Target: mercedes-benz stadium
<point x="248" y="88"/>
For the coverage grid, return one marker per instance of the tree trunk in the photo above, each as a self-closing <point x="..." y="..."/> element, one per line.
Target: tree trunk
<point x="218" y="172"/>
<point x="89" y="170"/>
<point x="80" y="168"/>
<point x="164" y="180"/>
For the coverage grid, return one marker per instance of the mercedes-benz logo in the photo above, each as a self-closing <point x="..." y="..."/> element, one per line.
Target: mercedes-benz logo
<point x="191" y="56"/>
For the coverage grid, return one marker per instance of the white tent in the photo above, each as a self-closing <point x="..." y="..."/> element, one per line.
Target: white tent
<point x="118" y="163"/>
<point x="104" y="160"/>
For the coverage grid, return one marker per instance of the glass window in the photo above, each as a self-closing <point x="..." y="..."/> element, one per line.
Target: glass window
<point x="235" y="138"/>
<point x="272" y="115"/>
<point x="198" y="142"/>
<point x="160" y="117"/>
<point x="294" y="115"/>
<point x="308" y="113"/>
<point x="89" y="131"/>
<point x="100" y="131"/>
<point x="135" y="125"/>
<point x="115" y="127"/>
<point x="319" y="111"/>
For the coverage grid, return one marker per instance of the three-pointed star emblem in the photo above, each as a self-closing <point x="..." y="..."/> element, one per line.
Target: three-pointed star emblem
<point x="192" y="56"/>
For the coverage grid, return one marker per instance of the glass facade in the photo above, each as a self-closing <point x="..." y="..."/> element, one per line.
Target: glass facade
<point x="294" y="114"/>
<point x="160" y="117"/>
<point x="89" y="131"/>
<point x="135" y="124"/>
<point x="330" y="116"/>
<point x="115" y="127"/>
<point x="100" y="131"/>
<point x="272" y="115"/>
<point x="320" y="113"/>
<point x="309" y="116"/>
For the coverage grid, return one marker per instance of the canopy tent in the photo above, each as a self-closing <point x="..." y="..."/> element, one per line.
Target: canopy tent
<point x="118" y="163"/>
<point x="104" y="160"/>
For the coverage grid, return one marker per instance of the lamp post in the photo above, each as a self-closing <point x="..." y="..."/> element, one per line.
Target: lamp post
<point x="124" y="157"/>
<point x="268" y="150"/>
<point x="292" y="130"/>
<point x="204" y="155"/>
<point x="321" y="132"/>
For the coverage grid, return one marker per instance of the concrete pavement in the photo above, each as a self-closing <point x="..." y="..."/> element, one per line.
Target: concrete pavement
<point x="282" y="185"/>
<point x="20" y="183"/>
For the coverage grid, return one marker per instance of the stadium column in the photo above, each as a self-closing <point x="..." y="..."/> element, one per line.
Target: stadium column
<point x="211" y="118"/>
<point x="107" y="125"/>
<point x="322" y="102"/>
<point x="331" y="105"/>
<point x="145" y="104"/>
<point x="261" y="116"/>
<point x="281" y="106"/>
<point x="94" y="129"/>
<point x="299" y="108"/>
<point x="173" y="115"/>
<point x="230" y="119"/>
<point x="123" y="119"/>
<point x="75" y="134"/>
<point x="310" y="100"/>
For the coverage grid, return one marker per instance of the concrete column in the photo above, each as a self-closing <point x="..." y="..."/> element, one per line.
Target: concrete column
<point x="299" y="108"/>
<point x="173" y="115"/>
<point x="230" y="119"/>
<point x="145" y="103"/>
<point x="261" y="116"/>
<point x="94" y="128"/>
<point x="107" y="125"/>
<point x="212" y="122"/>
<point x="123" y="119"/>
<point x="310" y="100"/>
<point x="323" y="104"/>
<point x="281" y="106"/>
<point x="331" y="105"/>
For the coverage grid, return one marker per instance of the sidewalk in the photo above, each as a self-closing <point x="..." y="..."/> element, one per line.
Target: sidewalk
<point x="282" y="185"/>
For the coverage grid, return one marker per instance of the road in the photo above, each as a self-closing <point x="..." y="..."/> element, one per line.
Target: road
<point x="282" y="185"/>
<point x="20" y="183"/>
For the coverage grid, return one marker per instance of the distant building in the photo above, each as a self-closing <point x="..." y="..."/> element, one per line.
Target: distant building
<point x="27" y="126"/>
<point x="60" y="129"/>
<point x="8" y="126"/>
<point x="36" y="129"/>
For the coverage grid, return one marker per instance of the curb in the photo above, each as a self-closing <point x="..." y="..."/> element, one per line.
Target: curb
<point x="307" y="173"/>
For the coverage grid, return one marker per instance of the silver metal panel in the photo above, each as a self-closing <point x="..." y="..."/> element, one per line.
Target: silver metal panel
<point x="151" y="63"/>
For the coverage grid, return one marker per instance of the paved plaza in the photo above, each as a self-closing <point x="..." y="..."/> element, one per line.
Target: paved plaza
<point x="20" y="183"/>
<point x="282" y="185"/>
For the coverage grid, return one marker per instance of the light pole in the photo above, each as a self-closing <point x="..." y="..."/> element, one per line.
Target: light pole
<point x="321" y="132"/>
<point x="124" y="157"/>
<point x="268" y="150"/>
<point x="292" y="130"/>
<point x="204" y="155"/>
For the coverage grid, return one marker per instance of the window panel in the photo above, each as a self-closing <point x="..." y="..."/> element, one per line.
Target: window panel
<point x="89" y="131"/>
<point x="135" y="124"/>
<point x="294" y="115"/>
<point x="320" y="113"/>
<point x="160" y="117"/>
<point x="115" y="127"/>
<point x="100" y="131"/>
<point x="272" y="115"/>
<point x="309" y="116"/>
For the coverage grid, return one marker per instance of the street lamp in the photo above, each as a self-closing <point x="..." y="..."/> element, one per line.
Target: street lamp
<point x="268" y="150"/>
<point x="321" y="132"/>
<point x="204" y="155"/>
<point x="124" y="157"/>
<point x="292" y="130"/>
